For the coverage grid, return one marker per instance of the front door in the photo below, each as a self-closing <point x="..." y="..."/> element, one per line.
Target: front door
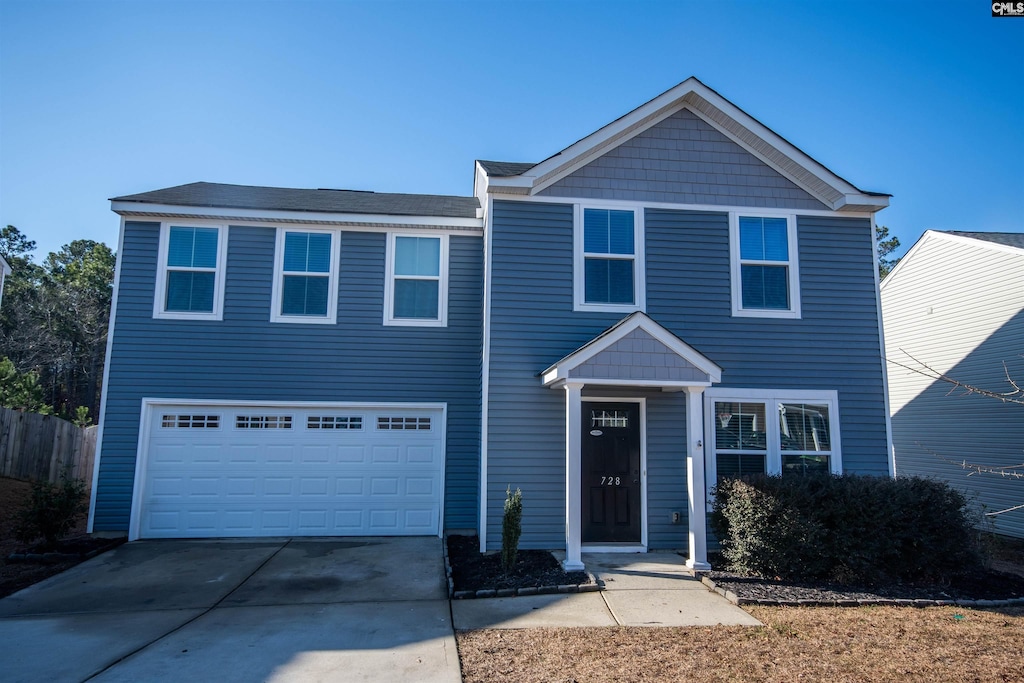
<point x="611" y="473"/>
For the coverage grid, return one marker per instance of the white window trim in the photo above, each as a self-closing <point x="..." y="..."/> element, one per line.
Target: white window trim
<point x="332" y="280"/>
<point x="793" y="264"/>
<point x="442" y="287"/>
<point x="160" y="293"/>
<point x="772" y="397"/>
<point x="638" y="258"/>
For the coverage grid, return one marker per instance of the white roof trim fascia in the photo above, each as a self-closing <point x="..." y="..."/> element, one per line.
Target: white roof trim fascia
<point x="975" y="242"/>
<point x="667" y="384"/>
<point x="5" y="266"/>
<point x="930" y="235"/>
<point x="675" y="206"/>
<point x="753" y="136"/>
<point x="258" y="215"/>
<point x="561" y="369"/>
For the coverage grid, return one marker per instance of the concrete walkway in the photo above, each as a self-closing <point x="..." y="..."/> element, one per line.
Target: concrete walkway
<point x="653" y="589"/>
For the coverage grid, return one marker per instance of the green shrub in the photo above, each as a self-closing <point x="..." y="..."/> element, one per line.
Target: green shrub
<point x="511" y="528"/>
<point x="53" y="510"/>
<point x="847" y="529"/>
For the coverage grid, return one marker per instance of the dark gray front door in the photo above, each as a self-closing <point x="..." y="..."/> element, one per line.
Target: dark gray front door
<point x="611" y="472"/>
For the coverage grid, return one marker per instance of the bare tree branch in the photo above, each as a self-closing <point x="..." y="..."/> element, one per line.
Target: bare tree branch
<point x="1012" y="471"/>
<point x="993" y="514"/>
<point x="1014" y="396"/>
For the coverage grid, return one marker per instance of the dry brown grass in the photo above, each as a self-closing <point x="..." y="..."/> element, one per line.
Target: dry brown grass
<point x="838" y="645"/>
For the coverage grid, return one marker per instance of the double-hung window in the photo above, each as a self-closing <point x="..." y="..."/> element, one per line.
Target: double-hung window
<point x="765" y="276"/>
<point x="305" y="277"/>
<point x="608" y="259"/>
<point x="756" y="431"/>
<point x="190" y="277"/>
<point x="417" y="281"/>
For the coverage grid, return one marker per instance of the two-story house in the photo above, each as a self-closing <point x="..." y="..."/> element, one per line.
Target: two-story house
<point x="678" y="296"/>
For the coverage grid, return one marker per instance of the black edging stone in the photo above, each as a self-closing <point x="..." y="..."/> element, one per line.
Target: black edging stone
<point x="861" y="602"/>
<point x="512" y="592"/>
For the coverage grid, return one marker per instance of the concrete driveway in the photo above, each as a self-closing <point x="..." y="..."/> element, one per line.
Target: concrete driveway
<point x="255" y="610"/>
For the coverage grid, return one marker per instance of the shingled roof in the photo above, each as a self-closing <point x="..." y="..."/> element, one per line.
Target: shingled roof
<point x="504" y="169"/>
<point x="220" y="195"/>
<point x="1009" y="239"/>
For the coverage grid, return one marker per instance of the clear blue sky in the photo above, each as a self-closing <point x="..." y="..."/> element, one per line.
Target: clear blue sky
<point x="924" y="100"/>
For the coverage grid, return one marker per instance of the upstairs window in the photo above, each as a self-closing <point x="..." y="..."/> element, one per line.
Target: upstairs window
<point x="609" y="272"/>
<point x="417" y="281"/>
<point x="190" y="280"/>
<point x="305" y="281"/>
<point x="765" y="278"/>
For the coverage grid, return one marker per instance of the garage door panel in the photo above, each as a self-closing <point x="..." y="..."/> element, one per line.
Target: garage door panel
<point x="352" y="454"/>
<point x="351" y="473"/>
<point x="279" y="455"/>
<point x="384" y="454"/>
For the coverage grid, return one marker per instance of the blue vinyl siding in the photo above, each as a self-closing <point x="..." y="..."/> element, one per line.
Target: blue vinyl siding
<point x="245" y="357"/>
<point x="834" y="346"/>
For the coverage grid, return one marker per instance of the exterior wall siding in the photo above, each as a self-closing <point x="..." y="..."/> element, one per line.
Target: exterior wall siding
<point x="834" y="346"/>
<point x="967" y="328"/>
<point x="683" y="160"/>
<point x="245" y="357"/>
<point x="638" y="356"/>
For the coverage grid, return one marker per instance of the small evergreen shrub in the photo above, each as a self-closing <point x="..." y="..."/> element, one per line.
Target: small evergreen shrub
<point x="53" y="510"/>
<point x="511" y="528"/>
<point x="846" y="529"/>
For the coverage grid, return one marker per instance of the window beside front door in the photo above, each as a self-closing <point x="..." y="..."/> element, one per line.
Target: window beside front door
<point x="777" y="433"/>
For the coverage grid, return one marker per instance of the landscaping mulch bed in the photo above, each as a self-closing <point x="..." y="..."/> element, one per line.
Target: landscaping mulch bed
<point x="988" y="586"/>
<point x="21" y="565"/>
<point x="536" y="571"/>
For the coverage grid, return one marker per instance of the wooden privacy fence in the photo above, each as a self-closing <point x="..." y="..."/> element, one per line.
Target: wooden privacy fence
<point x="34" y="446"/>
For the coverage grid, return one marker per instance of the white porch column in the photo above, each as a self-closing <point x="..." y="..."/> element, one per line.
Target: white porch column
<point x="695" y="488"/>
<point x="573" y="476"/>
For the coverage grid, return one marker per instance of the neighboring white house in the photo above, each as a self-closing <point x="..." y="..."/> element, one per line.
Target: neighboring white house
<point x="5" y="270"/>
<point x="955" y="303"/>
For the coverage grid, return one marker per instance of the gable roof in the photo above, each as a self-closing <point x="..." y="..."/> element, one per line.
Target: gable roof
<point x="1008" y="239"/>
<point x="771" y="148"/>
<point x="504" y="169"/>
<point x="1007" y="242"/>
<point x="563" y="369"/>
<point x="218" y="195"/>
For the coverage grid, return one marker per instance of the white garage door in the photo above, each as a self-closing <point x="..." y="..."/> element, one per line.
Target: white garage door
<point x="223" y="471"/>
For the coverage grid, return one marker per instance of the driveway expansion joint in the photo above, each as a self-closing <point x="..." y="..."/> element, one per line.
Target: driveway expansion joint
<point x="190" y="621"/>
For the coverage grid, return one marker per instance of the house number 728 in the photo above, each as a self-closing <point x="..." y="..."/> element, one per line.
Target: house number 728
<point x="610" y="481"/>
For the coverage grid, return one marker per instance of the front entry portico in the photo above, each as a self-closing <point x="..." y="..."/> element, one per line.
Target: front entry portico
<point x="606" y="490"/>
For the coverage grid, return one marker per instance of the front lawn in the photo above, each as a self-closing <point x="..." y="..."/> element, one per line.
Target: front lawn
<point x="838" y="645"/>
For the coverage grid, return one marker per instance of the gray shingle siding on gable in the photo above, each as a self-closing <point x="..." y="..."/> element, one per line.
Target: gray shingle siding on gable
<point x="683" y="160"/>
<point x="638" y="356"/>
<point x="835" y="346"/>
<point x="245" y="357"/>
